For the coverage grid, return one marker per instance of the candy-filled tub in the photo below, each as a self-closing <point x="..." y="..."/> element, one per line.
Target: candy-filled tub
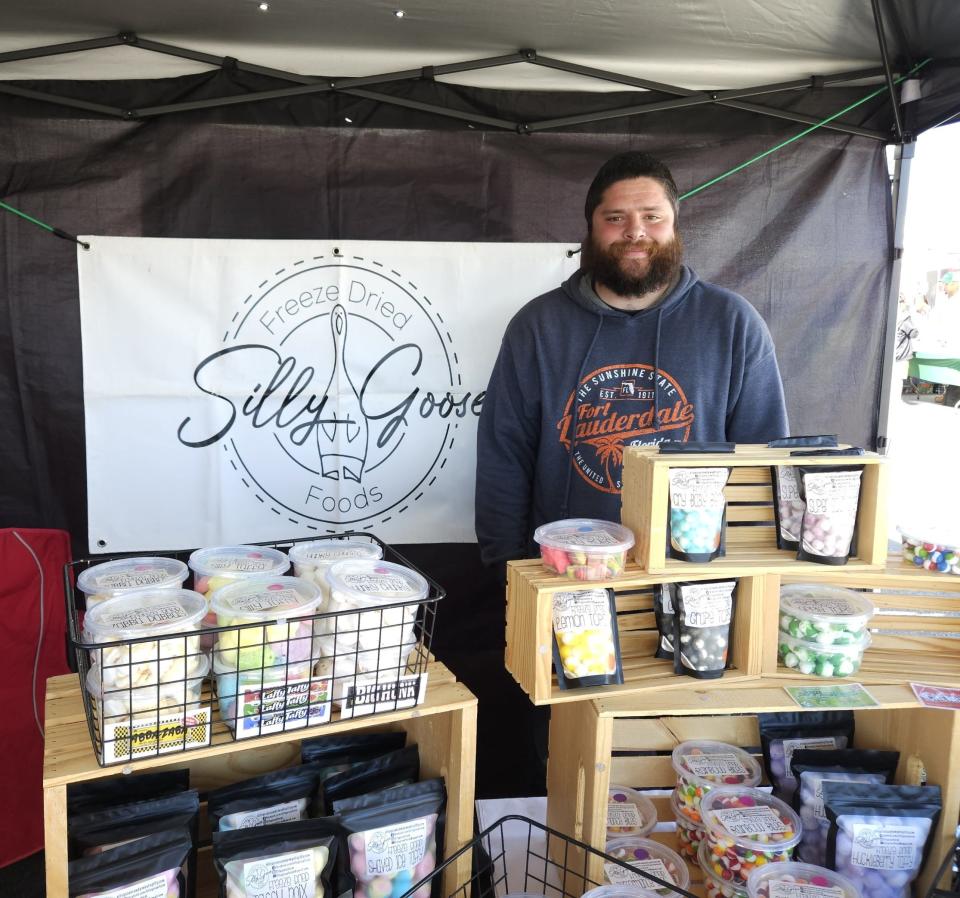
<point x="794" y="878"/>
<point x="646" y="856"/>
<point x="715" y="885"/>
<point x="825" y="615"/>
<point x="815" y="659"/>
<point x="117" y="578"/>
<point x="702" y="765"/>
<point x="629" y="813"/>
<point x="584" y="549"/>
<point x="312" y="560"/>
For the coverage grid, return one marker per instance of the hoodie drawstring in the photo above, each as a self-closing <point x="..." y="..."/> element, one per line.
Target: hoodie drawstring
<point x="656" y="375"/>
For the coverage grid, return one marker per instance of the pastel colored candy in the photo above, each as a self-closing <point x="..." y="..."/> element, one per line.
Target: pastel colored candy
<point x="696" y="531"/>
<point x="394" y="883"/>
<point x="939" y="557"/>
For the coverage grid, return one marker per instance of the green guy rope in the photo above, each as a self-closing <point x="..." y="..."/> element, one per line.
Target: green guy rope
<point x="57" y="232"/>
<point x="803" y="133"/>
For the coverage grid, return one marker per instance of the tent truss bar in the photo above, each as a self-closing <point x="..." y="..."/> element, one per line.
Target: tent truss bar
<point x="305" y="85"/>
<point x="887" y="71"/>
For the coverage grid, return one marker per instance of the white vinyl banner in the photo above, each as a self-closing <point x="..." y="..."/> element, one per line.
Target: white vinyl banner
<point x="251" y="390"/>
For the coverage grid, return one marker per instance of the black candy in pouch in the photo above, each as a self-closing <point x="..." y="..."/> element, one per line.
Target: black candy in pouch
<point x="113" y="790"/>
<point x="831" y="497"/>
<point x="149" y="862"/>
<point x="285" y="860"/>
<point x="697" y="514"/>
<point x="412" y="819"/>
<point x="401" y="766"/>
<point x="783" y="733"/>
<point x="702" y="626"/>
<point x="586" y="642"/>
<point x="663" y="613"/>
<point x="350" y="747"/>
<point x="282" y="796"/>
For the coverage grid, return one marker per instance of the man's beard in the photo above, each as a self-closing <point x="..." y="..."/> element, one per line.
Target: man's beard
<point x="632" y="277"/>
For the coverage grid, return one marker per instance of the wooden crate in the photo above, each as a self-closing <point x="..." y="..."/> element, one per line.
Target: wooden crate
<point x="443" y="727"/>
<point x="529" y="656"/>
<point x="916" y="631"/>
<point x="751" y="535"/>
<point x="627" y="740"/>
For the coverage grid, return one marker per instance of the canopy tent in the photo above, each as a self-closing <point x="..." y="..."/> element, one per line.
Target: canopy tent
<point x="421" y="152"/>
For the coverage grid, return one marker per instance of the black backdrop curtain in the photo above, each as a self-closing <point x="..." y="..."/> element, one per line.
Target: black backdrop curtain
<point x="804" y="235"/>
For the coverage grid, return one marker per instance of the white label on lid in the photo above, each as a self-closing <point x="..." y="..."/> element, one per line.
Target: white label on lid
<point x="133" y="579"/>
<point x="833" y="607"/>
<point x="654" y="866"/>
<point x="240" y="564"/>
<point x="282" y="876"/>
<point x="575" y="537"/>
<point x="788" y="483"/>
<point x="377" y="583"/>
<point x="714" y="765"/>
<point x="277" y="813"/>
<point x="884" y="847"/>
<point x="334" y="554"/>
<point x="707" y="604"/>
<point x="623" y="813"/>
<point x="154" y="887"/>
<point x="761" y="820"/>
<point x="400" y="846"/>
<point x="791" y="745"/>
<point x="145" y="616"/>
<point x="781" y="889"/>
<point x="266" y="599"/>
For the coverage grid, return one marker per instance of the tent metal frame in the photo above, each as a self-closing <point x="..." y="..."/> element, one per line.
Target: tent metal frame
<point x="305" y="85"/>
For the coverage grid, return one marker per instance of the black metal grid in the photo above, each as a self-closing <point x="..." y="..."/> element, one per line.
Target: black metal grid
<point x="534" y="859"/>
<point x="234" y="671"/>
<point x="950" y="863"/>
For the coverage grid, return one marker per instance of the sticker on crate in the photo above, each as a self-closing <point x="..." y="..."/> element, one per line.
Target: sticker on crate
<point x="840" y="695"/>
<point x="395" y="694"/>
<point x="130" y="739"/>
<point x="945" y="697"/>
<point x="276" y="709"/>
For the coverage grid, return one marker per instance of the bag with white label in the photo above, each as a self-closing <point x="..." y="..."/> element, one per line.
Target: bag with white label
<point x="787" y="504"/>
<point x="831" y="497"/>
<point x="586" y="643"/>
<point x="395" y="839"/>
<point x="393" y="769"/>
<point x="812" y="769"/>
<point x="880" y="835"/>
<point x="282" y="796"/>
<point x="702" y="626"/>
<point x="783" y="733"/>
<point x="663" y="614"/>
<point x="151" y="867"/>
<point x="283" y="860"/>
<point x="697" y="516"/>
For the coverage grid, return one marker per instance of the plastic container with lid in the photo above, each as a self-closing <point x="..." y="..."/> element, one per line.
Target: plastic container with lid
<point x="702" y="764"/>
<point x="584" y="549"/>
<point x="168" y="620"/>
<point x="219" y="566"/>
<point x="799" y="881"/>
<point x="646" y="856"/>
<point x="115" y="578"/>
<point x="934" y="548"/>
<point x="821" y="660"/>
<point x="620" y="891"/>
<point x="747" y="828"/>
<point x="826" y="615"/>
<point x="269" y="600"/>
<point x="629" y="813"/>
<point x="312" y="560"/>
<point x="689" y="834"/>
<point x="714" y="884"/>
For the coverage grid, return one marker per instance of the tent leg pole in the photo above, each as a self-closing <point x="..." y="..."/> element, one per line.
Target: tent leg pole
<point x="901" y="184"/>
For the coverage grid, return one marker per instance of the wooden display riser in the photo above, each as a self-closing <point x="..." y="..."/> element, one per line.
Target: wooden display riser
<point x="444" y="728"/>
<point x="628" y="740"/>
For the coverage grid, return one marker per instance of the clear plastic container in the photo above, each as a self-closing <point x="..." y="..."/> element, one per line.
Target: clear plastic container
<point x="619" y="891"/>
<point x="702" y="764"/>
<point x="747" y="828"/>
<point x="714" y="885"/>
<point x="646" y="856"/>
<point x="689" y="834"/>
<point x="584" y="549"/>
<point x="821" y="660"/>
<point x="796" y="875"/>
<point x="629" y="813"/>
<point x="222" y="565"/>
<point x="170" y="616"/>
<point x="116" y="578"/>
<point x="932" y="548"/>
<point x="826" y="615"/>
<point x="312" y="560"/>
<point x="279" y="644"/>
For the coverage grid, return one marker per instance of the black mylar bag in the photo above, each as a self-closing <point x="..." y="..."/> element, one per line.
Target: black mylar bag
<point x="586" y="641"/>
<point x="703" y="627"/>
<point x="401" y="766"/>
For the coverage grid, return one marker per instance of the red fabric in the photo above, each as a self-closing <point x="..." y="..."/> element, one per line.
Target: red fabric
<point x="21" y="748"/>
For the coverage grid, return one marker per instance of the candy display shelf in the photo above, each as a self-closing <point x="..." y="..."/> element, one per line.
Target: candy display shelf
<point x="751" y="537"/>
<point x="444" y="728"/>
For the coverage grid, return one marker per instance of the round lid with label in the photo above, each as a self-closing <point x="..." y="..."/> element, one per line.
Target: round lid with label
<point x="145" y="612"/>
<point x="715" y="763"/>
<point x="377" y="582"/>
<point x="723" y="886"/>
<point x="238" y="561"/>
<point x="266" y="598"/>
<point x="629" y="813"/>
<point x="646" y="856"/>
<point x="798" y="880"/>
<point x="751" y="818"/>
<point x="132" y="573"/>
<point x="584" y="535"/>
<point x="329" y="551"/>
<point x="619" y="891"/>
<point x="826" y="605"/>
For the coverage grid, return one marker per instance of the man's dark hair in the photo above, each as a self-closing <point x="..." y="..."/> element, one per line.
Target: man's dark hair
<point x="623" y="166"/>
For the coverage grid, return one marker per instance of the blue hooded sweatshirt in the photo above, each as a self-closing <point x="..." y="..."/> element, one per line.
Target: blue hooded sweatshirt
<point x="577" y="380"/>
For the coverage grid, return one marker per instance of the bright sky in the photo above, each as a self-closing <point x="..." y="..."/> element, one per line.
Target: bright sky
<point x="933" y="207"/>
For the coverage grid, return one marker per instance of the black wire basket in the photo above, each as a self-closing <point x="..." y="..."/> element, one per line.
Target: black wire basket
<point x="517" y="856"/>
<point x="178" y="691"/>
<point x="951" y="865"/>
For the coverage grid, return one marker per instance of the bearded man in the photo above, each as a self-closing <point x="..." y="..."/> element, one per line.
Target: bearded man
<point x="632" y="350"/>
